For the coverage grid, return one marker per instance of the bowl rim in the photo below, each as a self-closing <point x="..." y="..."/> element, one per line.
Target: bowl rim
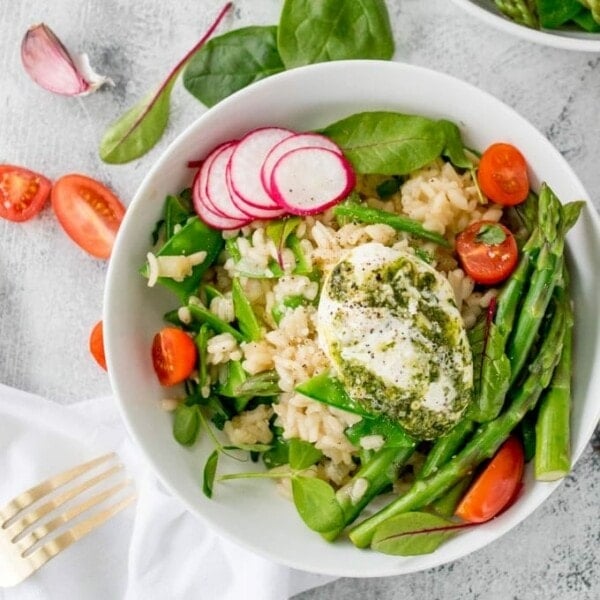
<point x="110" y="304"/>
<point x="582" y="42"/>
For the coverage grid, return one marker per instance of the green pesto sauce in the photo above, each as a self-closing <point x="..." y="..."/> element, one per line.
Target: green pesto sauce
<point x="399" y="287"/>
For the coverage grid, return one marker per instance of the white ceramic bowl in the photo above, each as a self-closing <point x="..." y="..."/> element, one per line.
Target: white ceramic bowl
<point x="487" y="11"/>
<point x="250" y="512"/>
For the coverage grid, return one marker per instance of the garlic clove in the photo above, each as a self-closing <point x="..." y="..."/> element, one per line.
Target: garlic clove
<point x="93" y="79"/>
<point x="50" y="65"/>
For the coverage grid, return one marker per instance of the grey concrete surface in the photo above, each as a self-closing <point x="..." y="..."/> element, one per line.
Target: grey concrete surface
<point x="51" y="292"/>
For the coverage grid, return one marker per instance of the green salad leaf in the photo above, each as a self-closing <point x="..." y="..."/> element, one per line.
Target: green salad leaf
<point x="140" y="128"/>
<point x="303" y="454"/>
<point x="312" y="32"/>
<point x="186" y="424"/>
<point x="210" y="471"/>
<point x="316" y="503"/>
<point x="412" y="533"/>
<point x="388" y="143"/>
<point x="232" y="61"/>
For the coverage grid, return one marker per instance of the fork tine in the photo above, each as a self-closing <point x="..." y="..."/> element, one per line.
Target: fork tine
<point x="27" y="542"/>
<point x="22" y="501"/>
<point x="43" y="554"/>
<point x="32" y="516"/>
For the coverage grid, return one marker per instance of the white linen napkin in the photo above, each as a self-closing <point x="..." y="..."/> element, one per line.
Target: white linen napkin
<point x="155" y="549"/>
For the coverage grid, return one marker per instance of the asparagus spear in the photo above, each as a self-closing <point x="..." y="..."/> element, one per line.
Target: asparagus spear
<point x="553" y="456"/>
<point x="548" y="269"/>
<point x="495" y="369"/>
<point x="521" y="11"/>
<point x="486" y="440"/>
<point x="379" y="472"/>
<point x="365" y="214"/>
<point x="508" y="344"/>
<point x="446" y="447"/>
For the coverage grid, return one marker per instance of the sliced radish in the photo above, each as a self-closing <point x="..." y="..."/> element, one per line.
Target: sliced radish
<point x="245" y="165"/>
<point x="257" y="213"/>
<point x="199" y="186"/>
<point x="306" y="181"/>
<point x="218" y="221"/>
<point x="209" y="216"/>
<point x="217" y="191"/>
<point x="294" y="142"/>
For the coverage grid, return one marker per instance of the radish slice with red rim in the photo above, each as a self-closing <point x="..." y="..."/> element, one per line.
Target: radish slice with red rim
<point x="246" y="162"/>
<point x="218" y="221"/>
<point x="199" y="185"/>
<point x="217" y="191"/>
<point x="255" y="211"/>
<point x="294" y="142"/>
<point x="306" y="181"/>
<point x="209" y="216"/>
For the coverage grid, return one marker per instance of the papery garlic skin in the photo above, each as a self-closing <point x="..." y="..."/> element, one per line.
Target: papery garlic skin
<point x="51" y="66"/>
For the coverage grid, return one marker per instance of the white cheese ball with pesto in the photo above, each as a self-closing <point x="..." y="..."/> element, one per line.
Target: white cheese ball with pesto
<point x="389" y="324"/>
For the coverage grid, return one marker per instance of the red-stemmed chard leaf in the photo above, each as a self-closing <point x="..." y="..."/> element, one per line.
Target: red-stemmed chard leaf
<point x="140" y="128"/>
<point x="413" y="533"/>
<point x="279" y="232"/>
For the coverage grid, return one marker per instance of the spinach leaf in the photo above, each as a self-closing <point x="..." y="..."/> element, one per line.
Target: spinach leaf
<point x="388" y="143"/>
<point x="210" y="470"/>
<point x="316" y="504"/>
<point x="303" y="454"/>
<point x="454" y="149"/>
<point x="413" y="533"/>
<point x="311" y="32"/>
<point x="232" y="61"/>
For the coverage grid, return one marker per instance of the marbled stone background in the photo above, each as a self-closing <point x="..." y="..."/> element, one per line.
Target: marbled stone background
<point x="51" y="292"/>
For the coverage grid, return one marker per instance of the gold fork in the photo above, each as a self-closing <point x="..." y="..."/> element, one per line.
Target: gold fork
<point x="28" y="521"/>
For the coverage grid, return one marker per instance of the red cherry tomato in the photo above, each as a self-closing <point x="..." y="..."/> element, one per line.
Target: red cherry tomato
<point x="174" y="355"/>
<point x="502" y="175"/>
<point x="96" y="344"/>
<point x="89" y="213"/>
<point x="487" y="251"/>
<point x="496" y="486"/>
<point x="23" y="193"/>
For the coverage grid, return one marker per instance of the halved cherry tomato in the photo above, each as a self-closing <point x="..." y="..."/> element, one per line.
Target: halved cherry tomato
<point x="496" y="486"/>
<point x="174" y="355"/>
<point x="502" y="174"/>
<point x="89" y="213"/>
<point x="487" y="251"/>
<point x="97" y="344"/>
<point x="23" y="193"/>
